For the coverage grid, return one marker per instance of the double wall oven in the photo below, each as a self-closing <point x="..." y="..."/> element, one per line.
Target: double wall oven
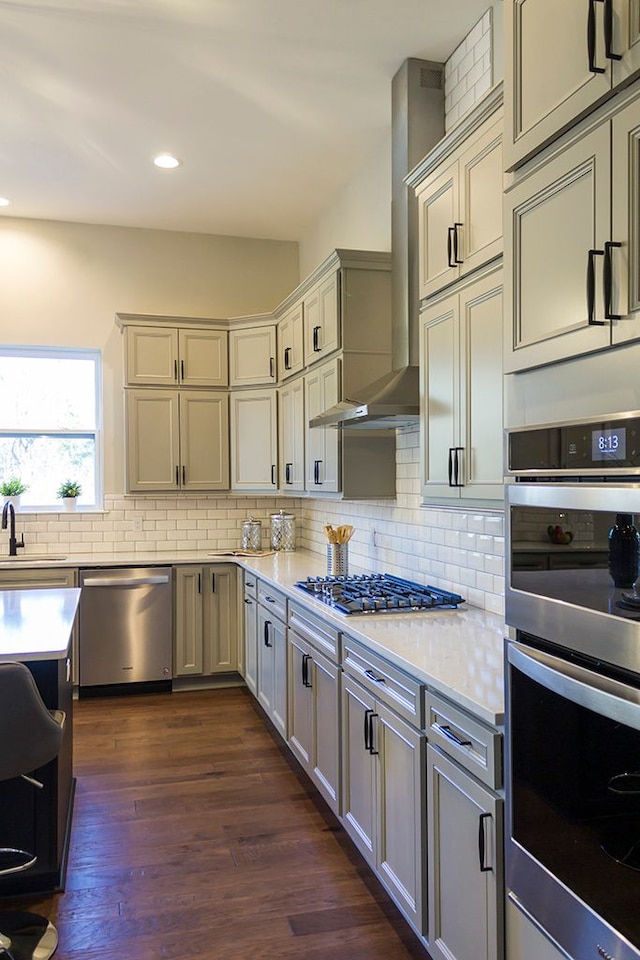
<point x="573" y="683"/>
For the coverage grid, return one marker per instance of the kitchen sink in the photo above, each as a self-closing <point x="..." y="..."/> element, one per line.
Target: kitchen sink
<point x="33" y="558"/>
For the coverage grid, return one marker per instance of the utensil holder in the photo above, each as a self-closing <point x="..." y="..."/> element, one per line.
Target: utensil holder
<point x="337" y="559"/>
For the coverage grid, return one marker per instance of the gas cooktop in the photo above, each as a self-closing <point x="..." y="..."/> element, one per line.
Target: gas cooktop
<point x="377" y="593"/>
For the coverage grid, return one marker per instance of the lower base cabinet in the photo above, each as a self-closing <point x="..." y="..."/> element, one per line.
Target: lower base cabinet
<point x="382" y="796"/>
<point x="250" y="663"/>
<point x="205" y="620"/>
<point x="272" y="668"/>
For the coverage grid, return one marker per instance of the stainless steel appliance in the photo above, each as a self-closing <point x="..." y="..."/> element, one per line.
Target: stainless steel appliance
<point x="573" y="686"/>
<point x="125" y="627"/>
<point x="377" y="593"/>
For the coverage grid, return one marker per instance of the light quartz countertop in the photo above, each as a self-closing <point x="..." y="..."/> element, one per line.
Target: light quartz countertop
<point x="458" y="653"/>
<point x="37" y="624"/>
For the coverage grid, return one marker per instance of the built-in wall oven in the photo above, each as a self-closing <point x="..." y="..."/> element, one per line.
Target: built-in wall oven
<point x="573" y="683"/>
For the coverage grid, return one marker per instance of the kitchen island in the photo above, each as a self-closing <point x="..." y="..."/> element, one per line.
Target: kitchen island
<point x="35" y="629"/>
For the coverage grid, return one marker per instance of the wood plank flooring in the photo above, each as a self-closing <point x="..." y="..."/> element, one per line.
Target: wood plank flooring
<point x="196" y="837"/>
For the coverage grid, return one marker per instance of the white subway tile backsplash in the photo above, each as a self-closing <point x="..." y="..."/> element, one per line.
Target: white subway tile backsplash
<point x="468" y="72"/>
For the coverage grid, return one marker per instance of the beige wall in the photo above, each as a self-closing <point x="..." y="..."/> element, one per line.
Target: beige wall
<point x="63" y="283"/>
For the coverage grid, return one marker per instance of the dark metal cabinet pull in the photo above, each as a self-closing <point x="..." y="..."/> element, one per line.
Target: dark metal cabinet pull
<point x="306" y="682"/>
<point x="367" y="744"/>
<point x="457" y="469"/>
<point x="316" y="340"/>
<point x="287" y="473"/>
<point x="456" y="260"/>
<point x="608" y="32"/>
<point x="608" y="281"/>
<point x="272" y="366"/>
<point x="247" y="600"/>
<point x="591" y="37"/>
<point x="175" y="370"/>
<point x="273" y="474"/>
<point x="213" y="583"/>
<point x="267" y="624"/>
<point x="448" y="732"/>
<point x="177" y="476"/>
<point x="591" y="288"/>
<point x="372" y="676"/>
<point x="184" y="476"/>
<point x="287" y="358"/>
<point x="182" y="369"/>
<point x="481" y="842"/>
<point x="316" y="472"/>
<point x="372" y="716"/>
<point x="270" y="599"/>
<point x="199" y="583"/>
<point x="450" y="467"/>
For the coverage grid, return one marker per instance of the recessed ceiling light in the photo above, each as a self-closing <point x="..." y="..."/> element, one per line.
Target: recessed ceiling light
<point x="4" y="202"/>
<point x="167" y="161"/>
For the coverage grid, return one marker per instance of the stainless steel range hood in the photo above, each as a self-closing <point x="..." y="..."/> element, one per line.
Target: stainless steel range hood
<point x="417" y="114"/>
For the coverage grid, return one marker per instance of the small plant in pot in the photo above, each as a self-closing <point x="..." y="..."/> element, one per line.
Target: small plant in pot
<point x="68" y="492"/>
<point x="11" y="490"/>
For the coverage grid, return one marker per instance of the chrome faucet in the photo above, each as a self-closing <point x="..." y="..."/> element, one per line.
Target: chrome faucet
<point x="13" y="543"/>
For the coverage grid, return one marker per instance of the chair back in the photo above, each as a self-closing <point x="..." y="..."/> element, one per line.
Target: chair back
<point x="29" y="734"/>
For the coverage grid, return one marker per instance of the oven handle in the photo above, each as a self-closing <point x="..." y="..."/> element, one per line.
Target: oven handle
<point x="588" y="689"/>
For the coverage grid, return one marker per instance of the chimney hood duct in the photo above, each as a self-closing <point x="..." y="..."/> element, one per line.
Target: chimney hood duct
<point x="417" y="124"/>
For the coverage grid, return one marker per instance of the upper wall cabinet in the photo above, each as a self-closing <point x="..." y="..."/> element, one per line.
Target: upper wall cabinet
<point x="166" y="356"/>
<point x="252" y="355"/>
<point x="321" y="322"/>
<point x="561" y="60"/>
<point x="572" y="225"/>
<point x="460" y="209"/>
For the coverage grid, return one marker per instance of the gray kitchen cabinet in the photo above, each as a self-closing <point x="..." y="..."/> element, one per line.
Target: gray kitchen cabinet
<point x="272" y="656"/>
<point x="460" y="210"/>
<point x="525" y="940"/>
<point x="291" y="435"/>
<point x="38" y="578"/>
<point x="252" y="355"/>
<point x="321" y="319"/>
<point x="555" y="73"/>
<point x="290" y="335"/>
<point x="177" y="440"/>
<point x="465" y="832"/>
<point x="250" y="604"/>
<point x="314" y="700"/>
<point x="461" y="393"/>
<point x="205" y="634"/>
<point x="322" y="389"/>
<point x="383" y="775"/>
<point x="166" y="356"/>
<point x="254" y="441"/>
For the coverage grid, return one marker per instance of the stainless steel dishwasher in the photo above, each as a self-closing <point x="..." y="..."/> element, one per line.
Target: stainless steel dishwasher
<point x="125" y="627"/>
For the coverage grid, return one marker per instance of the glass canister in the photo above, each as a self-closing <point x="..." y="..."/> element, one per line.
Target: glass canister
<point x="251" y="534"/>
<point x="283" y="531"/>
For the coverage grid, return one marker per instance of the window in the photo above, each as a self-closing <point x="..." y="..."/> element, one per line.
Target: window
<point x="50" y="417"/>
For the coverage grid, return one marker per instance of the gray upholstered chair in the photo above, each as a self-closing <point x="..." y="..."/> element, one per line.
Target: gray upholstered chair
<point x="30" y="736"/>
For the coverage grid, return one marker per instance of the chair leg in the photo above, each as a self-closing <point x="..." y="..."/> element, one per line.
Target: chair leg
<point x="26" y="936"/>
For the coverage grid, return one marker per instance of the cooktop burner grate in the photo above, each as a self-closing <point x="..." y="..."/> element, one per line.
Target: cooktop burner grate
<point x="377" y="593"/>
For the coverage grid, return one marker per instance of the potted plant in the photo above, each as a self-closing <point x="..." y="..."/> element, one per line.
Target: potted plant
<point x="68" y="492"/>
<point x="11" y="490"/>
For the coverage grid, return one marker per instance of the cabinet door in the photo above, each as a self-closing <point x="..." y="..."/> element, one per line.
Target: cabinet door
<point x="291" y="435"/>
<point x="626" y="39"/>
<point x="480" y="178"/>
<point x="279" y="712"/>
<point x="481" y="403"/>
<point x="440" y="392"/>
<point x="321" y="320"/>
<point x="358" y="768"/>
<point x="401" y="812"/>
<point x="188" y="649"/>
<point x="322" y="444"/>
<point x="266" y="660"/>
<point x="465" y="871"/>
<point x="254" y="441"/>
<point x="325" y="771"/>
<point x="548" y="82"/>
<point x="552" y="219"/>
<point x="300" y="736"/>
<point x="204" y="441"/>
<point x="438" y="205"/>
<point x="290" y="343"/>
<point x="153" y="447"/>
<point x="151" y="355"/>
<point x="219" y="619"/>
<point x="625" y="259"/>
<point x="251" y="644"/>
<point x="252" y="356"/>
<point x="203" y="358"/>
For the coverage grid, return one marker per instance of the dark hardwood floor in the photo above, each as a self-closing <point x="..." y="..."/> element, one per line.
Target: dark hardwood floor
<point x="195" y="837"/>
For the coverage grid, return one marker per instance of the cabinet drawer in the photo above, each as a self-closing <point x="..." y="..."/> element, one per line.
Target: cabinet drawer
<point x="387" y="683"/>
<point x="475" y="747"/>
<point x="250" y="585"/>
<point x="315" y="631"/>
<point x="272" y="599"/>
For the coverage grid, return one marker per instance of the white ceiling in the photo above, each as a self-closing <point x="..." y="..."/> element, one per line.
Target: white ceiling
<point x="272" y="105"/>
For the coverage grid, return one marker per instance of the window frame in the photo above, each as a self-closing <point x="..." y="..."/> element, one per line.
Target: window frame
<point x="66" y="353"/>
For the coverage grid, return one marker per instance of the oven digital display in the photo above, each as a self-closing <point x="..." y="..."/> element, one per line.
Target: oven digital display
<point x="609" y="444"/>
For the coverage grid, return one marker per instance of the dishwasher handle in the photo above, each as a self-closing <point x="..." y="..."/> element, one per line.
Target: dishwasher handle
<point x="120" y="582"/>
